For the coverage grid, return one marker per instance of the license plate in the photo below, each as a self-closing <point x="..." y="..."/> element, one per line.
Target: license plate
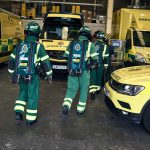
<point x="59" y="67"/>
<point x="106" y="91"/>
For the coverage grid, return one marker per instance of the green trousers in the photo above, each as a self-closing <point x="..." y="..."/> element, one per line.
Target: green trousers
<point x="75" y="83"/>
<point x="28" y="98"/>
<point x="96" y="78"/>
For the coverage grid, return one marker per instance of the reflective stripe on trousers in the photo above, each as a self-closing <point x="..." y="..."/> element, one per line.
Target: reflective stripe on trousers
<point x="81" y="106"/>
<point x="67" y="102"/>
<point x="94" y="88"/>
<point x="19" y="106"/>
<point x="31" y="115"/>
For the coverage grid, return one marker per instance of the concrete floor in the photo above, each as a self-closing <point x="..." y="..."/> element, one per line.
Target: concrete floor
<point x="98" y="129"/>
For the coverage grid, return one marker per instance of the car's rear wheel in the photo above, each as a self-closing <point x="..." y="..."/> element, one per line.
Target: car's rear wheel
<point x="146" y="119"/>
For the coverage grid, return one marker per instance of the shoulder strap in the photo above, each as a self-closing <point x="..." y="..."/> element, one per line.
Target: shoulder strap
<point x="36" y="59"/>
<point x="83" y="53"/>
<point x="70" y="55"/>
<point x="17" y="57"/>
<point x="104" y="50"/>
<point x="88" y="51"/>
<point x="31" y="57"/>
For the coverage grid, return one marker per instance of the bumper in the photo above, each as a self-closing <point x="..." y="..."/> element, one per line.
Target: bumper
<point x="126" y="106"/>
<point x="133" y="117"/>
<point x="132" y="104"/>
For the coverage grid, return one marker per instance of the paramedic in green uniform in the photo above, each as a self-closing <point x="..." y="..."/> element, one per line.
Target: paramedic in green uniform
<point x="98" y="73"/>
<point x="111" y="57"/>
<point x="23" y="66"/>
<point x="80" y="53"/>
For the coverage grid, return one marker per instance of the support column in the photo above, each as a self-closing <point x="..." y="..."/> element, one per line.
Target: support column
<point x="95" y="8"/>
<point x="109" y="16"/>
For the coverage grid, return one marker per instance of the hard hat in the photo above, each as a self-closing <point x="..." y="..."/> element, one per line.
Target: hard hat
<point x="85" y="29"/>
<point x="100" y="35"/>
<point x="32" y="28"/>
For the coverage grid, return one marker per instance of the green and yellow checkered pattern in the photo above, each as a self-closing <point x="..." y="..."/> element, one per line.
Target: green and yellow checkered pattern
<point x="6" y="46"/>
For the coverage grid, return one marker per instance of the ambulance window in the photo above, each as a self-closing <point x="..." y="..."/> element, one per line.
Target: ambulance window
<point x="0" y="30"/>
<point x="60" y="32"/>
<point x="54" y="32"/>
<point x="128" y="40"/>
<point x="141" y="38"/>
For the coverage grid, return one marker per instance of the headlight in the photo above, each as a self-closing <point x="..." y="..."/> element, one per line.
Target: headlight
<point x="130" y="90"/>
<point x="140" y="58"/>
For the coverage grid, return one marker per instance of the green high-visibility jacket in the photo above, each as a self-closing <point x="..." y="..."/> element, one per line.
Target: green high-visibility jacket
<point x="90" y="52"/>
<point x="39" y="57"/>
<point x="103" y="51"/>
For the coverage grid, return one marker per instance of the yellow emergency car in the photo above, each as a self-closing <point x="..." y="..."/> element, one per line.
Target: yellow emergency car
<point x="11" y="30"/>
<point x="128" y="92"/>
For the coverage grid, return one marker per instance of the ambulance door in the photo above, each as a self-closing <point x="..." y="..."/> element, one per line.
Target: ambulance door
<point x="128" y="46"/>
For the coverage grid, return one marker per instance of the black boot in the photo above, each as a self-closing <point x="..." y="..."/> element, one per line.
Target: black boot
<point x="93" y="95"/>
<point x="80" y="113"/>
<point x="98" y="91"/>
<point x="19" y="117"/>
<point x="65" y="110"/>
<point x="30" y="123"/>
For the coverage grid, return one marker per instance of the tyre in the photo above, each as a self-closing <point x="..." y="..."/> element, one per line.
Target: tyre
<point x="146" y="119"/>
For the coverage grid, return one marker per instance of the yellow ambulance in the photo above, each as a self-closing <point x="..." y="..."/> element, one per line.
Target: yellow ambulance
<point x="128" y="93"/>
<point x="11" y="30"/>
<point x="133" y="26"/>
<point x="57" y="32"/>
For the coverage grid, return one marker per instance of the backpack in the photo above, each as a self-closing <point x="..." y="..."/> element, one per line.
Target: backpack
<point x="100" y="48"/>
<point x="77" y="57"/>
<point x="26" y="59"/>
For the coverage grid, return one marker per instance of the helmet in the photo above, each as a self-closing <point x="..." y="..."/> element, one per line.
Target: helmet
<point x="85" y="31"/>
<point x="100" y="35"/>
<point x="32" y="28"/>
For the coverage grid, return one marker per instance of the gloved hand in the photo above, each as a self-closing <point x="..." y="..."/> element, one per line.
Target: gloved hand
<point x="49" y="79"/>
<point x="41" y="73"/>
<point x="14" y="79"/>
<point x="96" y="65"/>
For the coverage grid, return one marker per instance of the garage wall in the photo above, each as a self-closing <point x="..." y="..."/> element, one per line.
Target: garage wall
<point x="99" y="10"/>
